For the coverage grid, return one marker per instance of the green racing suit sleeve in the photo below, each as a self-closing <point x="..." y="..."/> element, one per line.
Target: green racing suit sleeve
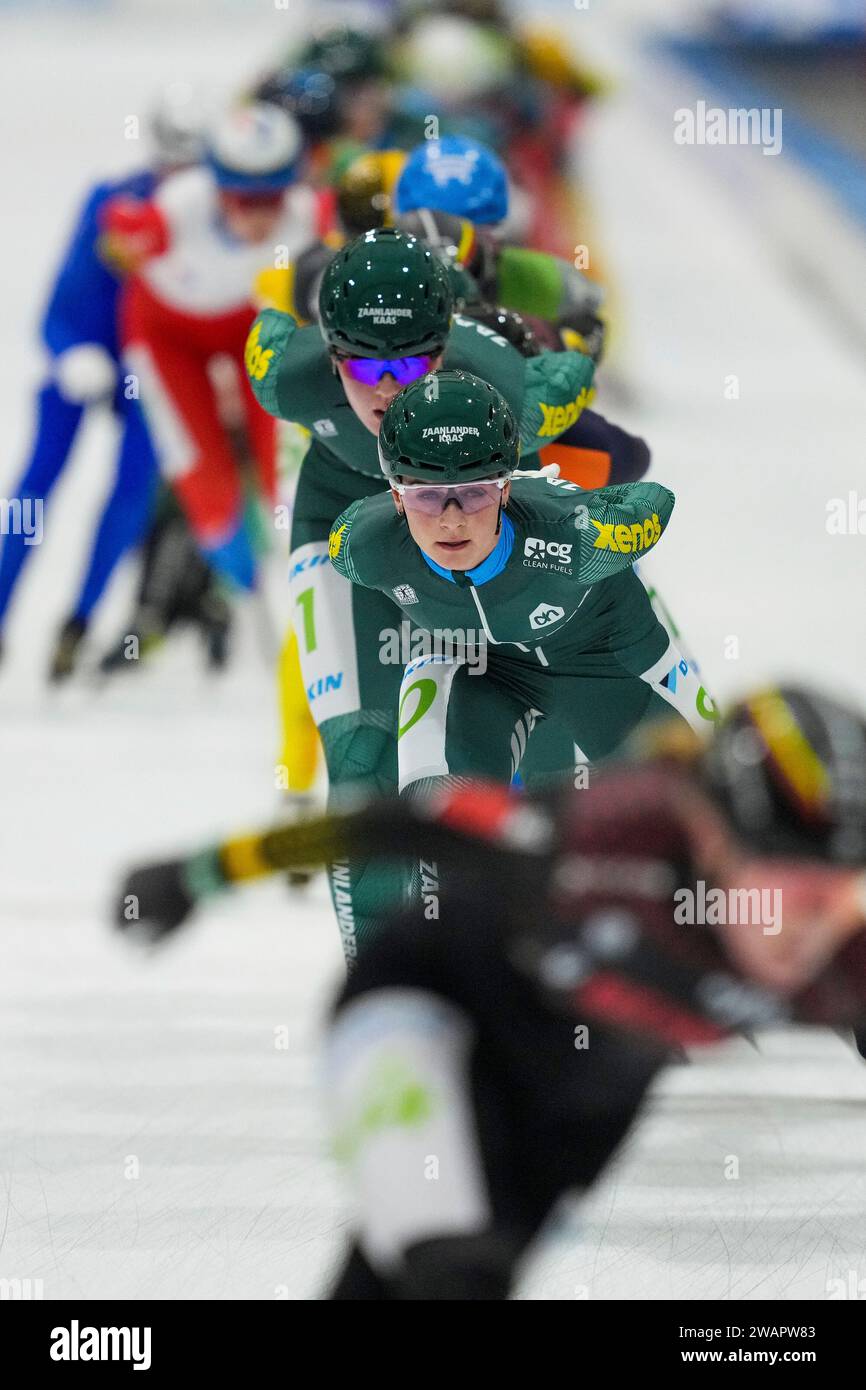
<point x="557" y="386"/>
<point x="266" y="345"/>
<point x="617" y="524"/>
<point x="340" y="549"/>
<point x="534" y="282"/>
<point x="283" y="363"/>
<point x="614" y="526"/>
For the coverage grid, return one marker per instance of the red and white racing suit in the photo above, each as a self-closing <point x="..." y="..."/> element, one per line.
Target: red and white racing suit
<point x="189" y="304"/>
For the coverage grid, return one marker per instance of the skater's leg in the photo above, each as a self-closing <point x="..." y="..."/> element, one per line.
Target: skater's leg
<point x="262" y="436"/>
<point x="194" y="451"/>
<point x="441" y="1052"/>
<point x="301" y="748"/>
<point x="676" y="678"/>
<point x="57" y="421"/>
<point x="552" y="756"/>
<point x="455" y="725"/>
<point x="353" y="700"/>
<point x="127" y="510"/>
<point x="350" y="685"/>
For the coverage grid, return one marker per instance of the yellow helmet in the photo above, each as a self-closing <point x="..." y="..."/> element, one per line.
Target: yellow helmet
<point x="365" y="191"/>
<point x="544" y="56"/>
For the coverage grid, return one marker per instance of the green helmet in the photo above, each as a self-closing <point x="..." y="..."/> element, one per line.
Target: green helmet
<point x="448" y="427"/>
<point x="385" y="295"/>
<point x="347" y="55"/>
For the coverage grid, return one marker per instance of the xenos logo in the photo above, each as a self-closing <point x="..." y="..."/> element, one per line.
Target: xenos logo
<point x="559" y="417"/>
<point x="335" y="541"/>
<point x="626" y="539"/>
<point x="538" y="551"/>
<point x="256" y="358"/>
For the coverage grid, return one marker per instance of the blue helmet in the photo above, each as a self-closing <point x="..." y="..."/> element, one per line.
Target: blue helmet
<point x="454" y="175"/>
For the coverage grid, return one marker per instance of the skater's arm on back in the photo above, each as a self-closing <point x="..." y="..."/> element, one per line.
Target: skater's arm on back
<point x="285" y="365"/>
<point x="161" y="896"/>
<point x="356" y="537"/>
<point x="648" y="833"/>
<point x="557" y="387"/>
<point x="617" y="525"/>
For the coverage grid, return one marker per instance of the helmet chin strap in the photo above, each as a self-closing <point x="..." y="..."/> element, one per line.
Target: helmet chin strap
<point x="401" y="510"/>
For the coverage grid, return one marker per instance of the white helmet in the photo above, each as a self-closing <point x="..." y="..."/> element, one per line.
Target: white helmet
<point x="255" y="148"/>
<point x="454" y="59"/>
<point x="177" y="124"/>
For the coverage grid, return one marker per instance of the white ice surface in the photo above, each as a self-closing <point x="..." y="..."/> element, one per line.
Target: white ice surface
<point x="106" y="1055"/>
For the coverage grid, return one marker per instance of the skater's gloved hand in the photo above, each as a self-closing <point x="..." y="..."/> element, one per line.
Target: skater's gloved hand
<point x="584" y="333"/>
<point x="85" y="373"/>
<point x="547" y="470"/>
<point x="154" y="899"/>
<point x="133" y="231"/>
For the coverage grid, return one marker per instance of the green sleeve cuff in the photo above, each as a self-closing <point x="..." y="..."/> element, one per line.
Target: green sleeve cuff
<point x="268" y="339"/>
<point x="340" y="545"/>
<point x="557" y="388"/>
<point x="619" y="525"/>
<point x="203" y="874"/>
<point x="529" y="281"/>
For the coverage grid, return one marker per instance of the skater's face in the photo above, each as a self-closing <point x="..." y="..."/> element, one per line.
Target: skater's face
<point x="366" y="112"/>
<point x="370" y="402"/>
<point x="252" y="218"/>
<point x="807" y="911"/>
<point x="464" y="532"/>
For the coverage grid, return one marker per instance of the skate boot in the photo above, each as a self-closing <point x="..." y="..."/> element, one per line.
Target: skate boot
<point x="66" y="650"/>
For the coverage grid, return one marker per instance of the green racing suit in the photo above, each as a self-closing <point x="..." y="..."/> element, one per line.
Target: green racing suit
<point x="353" y="694"/>
<point x="554" y="625"/>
